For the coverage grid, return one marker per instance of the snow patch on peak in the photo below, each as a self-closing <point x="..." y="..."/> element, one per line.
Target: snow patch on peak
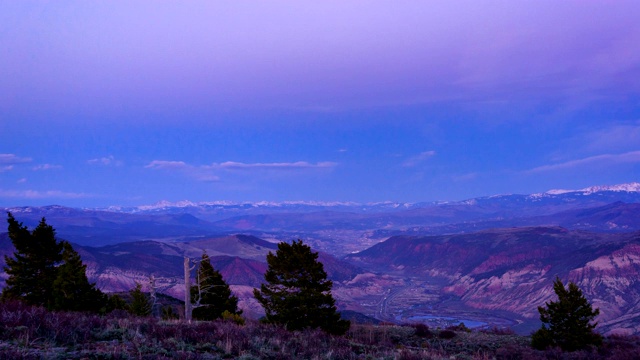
<point x="551" y="193"/>
<point x="499" y="196"/>
<point x="629" y="187"/>
<point x="274" y="205"/>
<point x="558" y="191"/>
<point x="166" y="204"/>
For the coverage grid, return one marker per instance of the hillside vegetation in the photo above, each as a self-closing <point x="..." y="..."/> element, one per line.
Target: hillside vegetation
<point x="28" y="332"/>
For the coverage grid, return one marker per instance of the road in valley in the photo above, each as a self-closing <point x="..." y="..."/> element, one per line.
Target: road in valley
<point x="383" y="312"/>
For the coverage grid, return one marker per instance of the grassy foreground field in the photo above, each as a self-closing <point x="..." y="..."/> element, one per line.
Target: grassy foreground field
<point x="34" y="333"/>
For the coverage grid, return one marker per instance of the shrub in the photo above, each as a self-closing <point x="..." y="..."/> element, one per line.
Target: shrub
<point x="28" y="332"/>
<point x="498" y="331"/>
<point x="169" y="313"/>
<point x="460" y="327"/>
<point x="235" y="318"/>
<point x="447" y="334"/>
<point x="422" y="330"/>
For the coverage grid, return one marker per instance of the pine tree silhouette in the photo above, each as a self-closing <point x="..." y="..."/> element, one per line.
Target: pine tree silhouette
<point x="567" y="322"/>
<point x="297" y="293"/>
<point x="211" y="295"/>
<point x="71" y="289"/>
<point x="32" y="269"/>
<point x="140" y="304"/>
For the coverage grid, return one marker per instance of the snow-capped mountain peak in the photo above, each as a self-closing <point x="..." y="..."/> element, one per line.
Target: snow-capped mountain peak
<point x="628" y="187"/>
<point x="631" y="189"/>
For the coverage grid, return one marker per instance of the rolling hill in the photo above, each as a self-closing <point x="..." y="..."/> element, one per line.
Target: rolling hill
<point x="240" y="258"/>
<point x="488" y="260"/>
<point x="512" y="269"/>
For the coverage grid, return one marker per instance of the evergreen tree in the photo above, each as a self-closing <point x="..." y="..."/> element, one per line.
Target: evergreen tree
<point x="115" y="302"/>
<point x="71" y="289"/>
<point x="211" y="295"/>
<point x="47" y="272"/>
<point x="297" y="293"/>
<point x="169" y="313"/>
<point x="140" y="304"/>
<point x="567" y="322"/>
<point x="32" y="270"/>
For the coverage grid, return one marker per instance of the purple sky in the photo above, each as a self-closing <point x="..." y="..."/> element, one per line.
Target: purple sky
<point x="105" y="103"/>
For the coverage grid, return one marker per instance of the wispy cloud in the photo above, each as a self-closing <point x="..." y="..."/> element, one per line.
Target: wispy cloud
<point x="209" y="172"/>
<point x="465" y="177"/>
<point x="46" y="167"/>
<point x="628" y="157"/>
<point x="36" y="194"/>
<point x="22" y="181"/>
<point x="417" y="159"/>
<point x="7" y="161"/>
<point x="106" y="161"/>
<point x="12" y="159"/>
<point x="616" y="137"/>
<point x="167" y="165"/>
<point x="232" y="165"/>
<point x="200" y="173"/>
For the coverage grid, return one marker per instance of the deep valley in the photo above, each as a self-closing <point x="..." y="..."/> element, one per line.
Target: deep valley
<point x="485" y="262"/>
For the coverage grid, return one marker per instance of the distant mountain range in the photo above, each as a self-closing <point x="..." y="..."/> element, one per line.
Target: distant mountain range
<point x="624" y="192"/>
<point x="342" y="228"/>
<point x="488" y="260"/>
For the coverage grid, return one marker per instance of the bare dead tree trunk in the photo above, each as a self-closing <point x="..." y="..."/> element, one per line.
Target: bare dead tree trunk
<point x="196" y="301"/>
<point x="187" y="290"/>
<point x="152" y="293"/>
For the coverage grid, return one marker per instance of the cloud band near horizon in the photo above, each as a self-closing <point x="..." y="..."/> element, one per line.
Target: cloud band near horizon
<point x="207" y="172"/>
<point x="47" y="194"/>
<point x="603" y="159"/>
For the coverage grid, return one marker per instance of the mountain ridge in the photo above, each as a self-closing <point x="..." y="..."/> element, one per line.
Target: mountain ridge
<point x="513" y="269"/>
<point x="487" y="260"/>
<point x="164" y="204"/>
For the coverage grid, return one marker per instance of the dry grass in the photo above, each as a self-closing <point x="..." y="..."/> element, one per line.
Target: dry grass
<point x="34" y="333"/>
